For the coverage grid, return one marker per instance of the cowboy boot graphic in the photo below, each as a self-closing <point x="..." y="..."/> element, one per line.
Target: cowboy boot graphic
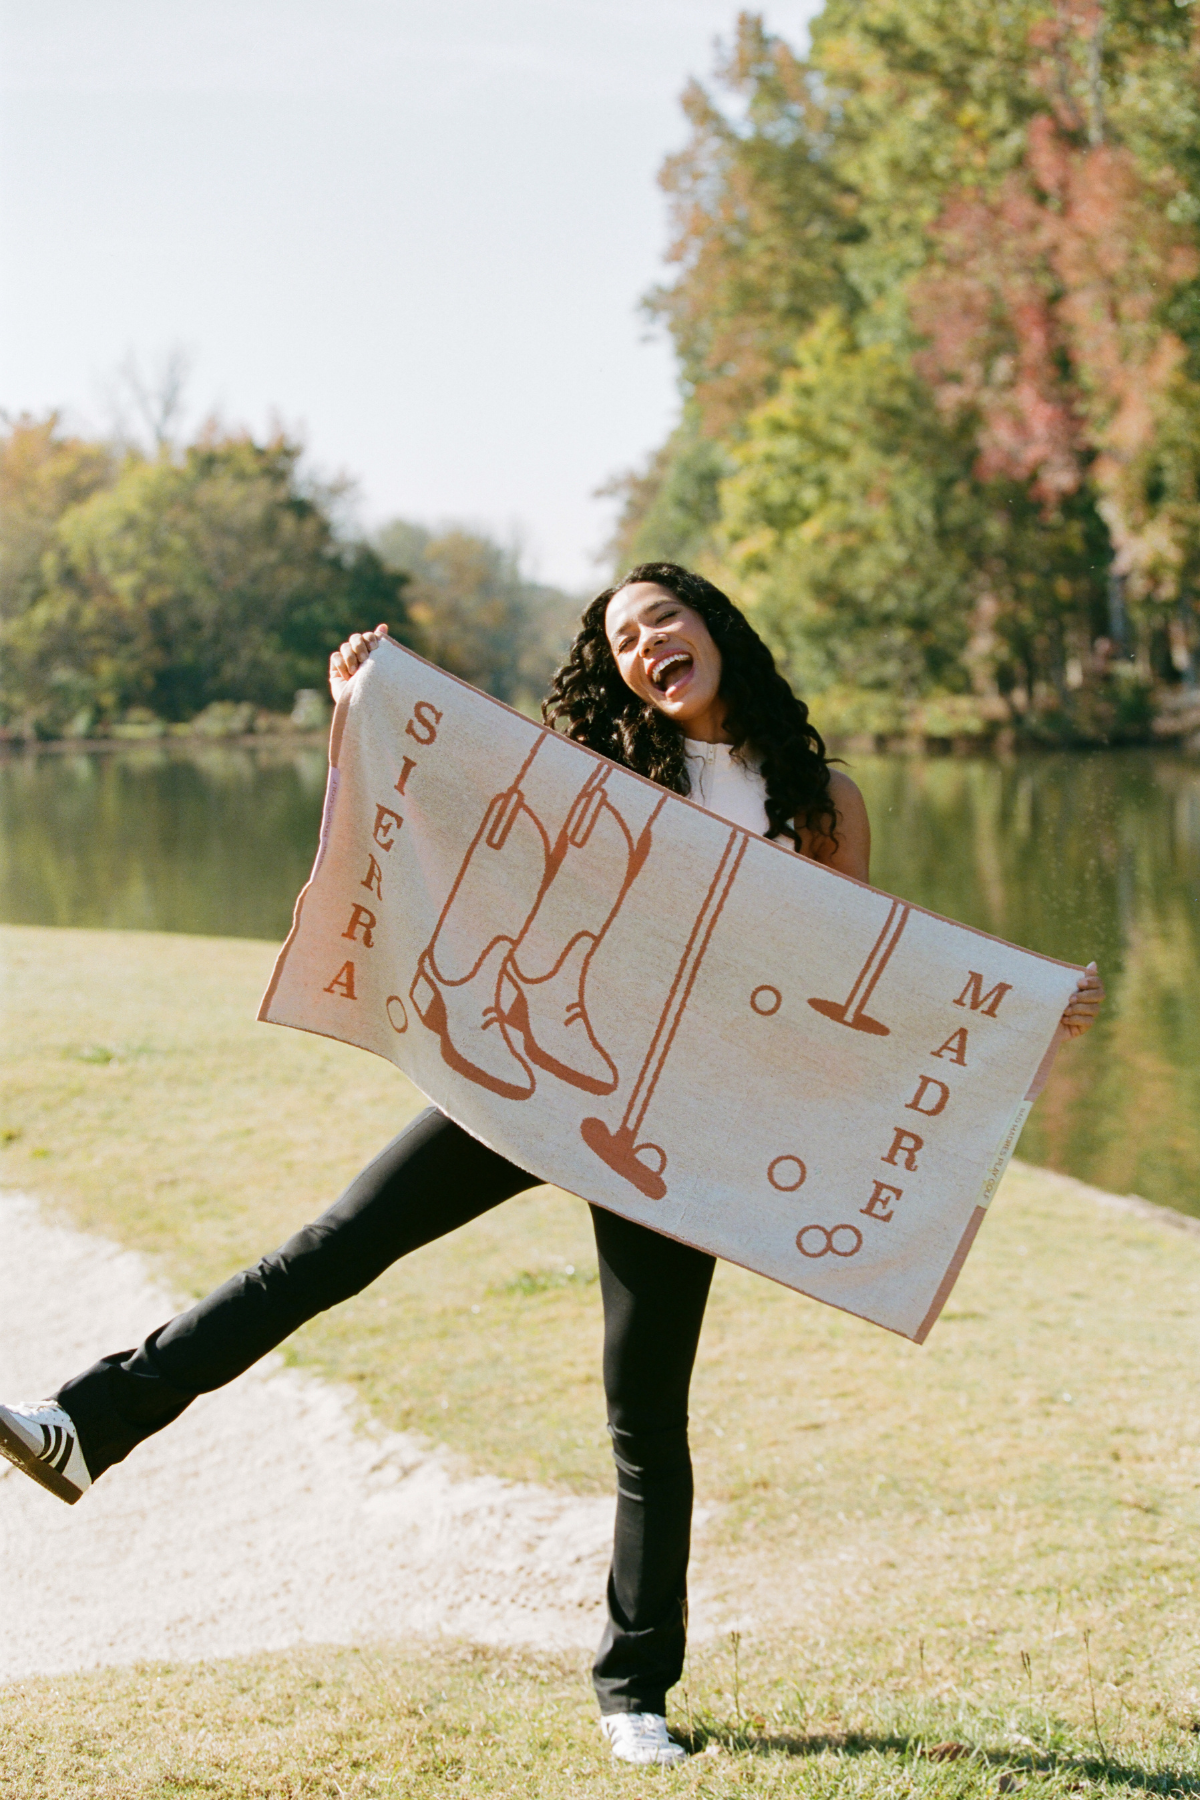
<point x="456" y="990"/>
<point x="594" y="861"/>
<point x="502" y="979"/>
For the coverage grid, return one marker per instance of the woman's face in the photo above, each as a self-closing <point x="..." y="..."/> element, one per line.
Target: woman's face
<point x="666" y="654"/>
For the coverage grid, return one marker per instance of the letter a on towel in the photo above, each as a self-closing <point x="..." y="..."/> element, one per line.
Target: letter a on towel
<point x="654" y="1009"/>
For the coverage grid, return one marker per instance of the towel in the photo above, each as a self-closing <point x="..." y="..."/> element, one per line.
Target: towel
<point x="657" y="1010"/>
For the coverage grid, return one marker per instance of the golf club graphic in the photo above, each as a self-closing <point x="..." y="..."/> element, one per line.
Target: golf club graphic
<point x="853" y="1010"/>
<point x="502" y="979"/>
<point x="620" y="1149"/>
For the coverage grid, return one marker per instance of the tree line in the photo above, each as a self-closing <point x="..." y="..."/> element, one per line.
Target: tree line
<point x="156" y="584"/>
<point x="936" y="307"/>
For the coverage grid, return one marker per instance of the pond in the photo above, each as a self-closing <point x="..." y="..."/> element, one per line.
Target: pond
<point x="1078" y="856"/>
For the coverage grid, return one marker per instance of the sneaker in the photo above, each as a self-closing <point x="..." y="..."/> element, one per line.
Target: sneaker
<point x="38" y="1436"/>
<point x="641" y="1738"/>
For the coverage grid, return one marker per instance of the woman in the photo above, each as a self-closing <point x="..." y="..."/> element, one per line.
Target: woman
<point x="667" y="677"/>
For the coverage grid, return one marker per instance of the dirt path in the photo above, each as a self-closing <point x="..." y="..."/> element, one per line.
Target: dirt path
<point x="265" y="1517"/>
<point x="269" y="1516"/>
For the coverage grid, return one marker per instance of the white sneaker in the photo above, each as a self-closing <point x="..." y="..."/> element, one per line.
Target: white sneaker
<point x="641" y="1738"/>
<point x="38" y="1436"/>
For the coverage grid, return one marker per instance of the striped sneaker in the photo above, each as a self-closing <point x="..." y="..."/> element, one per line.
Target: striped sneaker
<point x="38" y="1436"/>
<point x="641" y="1738"/>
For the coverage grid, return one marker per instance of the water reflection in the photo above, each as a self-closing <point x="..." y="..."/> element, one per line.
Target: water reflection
<point x="1077" y="856"/>
<point x="217" y="840"/>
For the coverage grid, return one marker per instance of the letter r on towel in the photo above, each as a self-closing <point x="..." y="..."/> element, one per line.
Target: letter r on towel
<point x="905" y="1144"/>
<point x="362" y="919"/>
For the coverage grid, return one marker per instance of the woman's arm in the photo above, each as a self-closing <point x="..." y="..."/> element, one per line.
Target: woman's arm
<point x="850" y="849"/>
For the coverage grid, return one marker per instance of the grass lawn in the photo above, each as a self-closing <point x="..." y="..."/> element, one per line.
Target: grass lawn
<point x="988" y="1541"/>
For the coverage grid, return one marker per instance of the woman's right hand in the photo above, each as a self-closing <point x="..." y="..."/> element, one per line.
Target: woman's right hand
<point x="351" y="656"/>
<point x="1085" y="1003"/>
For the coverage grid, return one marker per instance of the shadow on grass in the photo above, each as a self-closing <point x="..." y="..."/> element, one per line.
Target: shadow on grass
<point x="1023" y="1765"/>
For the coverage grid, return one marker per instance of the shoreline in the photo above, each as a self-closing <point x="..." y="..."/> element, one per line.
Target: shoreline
<point x="1158" y="1212"/>
<point x="12" y="750"/>
<point x="1012" y="749"/>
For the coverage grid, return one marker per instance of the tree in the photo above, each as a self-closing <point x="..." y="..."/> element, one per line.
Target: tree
<point x="671" y="507"/>
<point x="213" y="574"/>
<point x="1048" y="306"/>
<point x="478" y="615"/>
<point x="850" y="520"/>
<point x="760" y="221"/>
<point x="43" y="472"/>
<point x="937" y="315"/>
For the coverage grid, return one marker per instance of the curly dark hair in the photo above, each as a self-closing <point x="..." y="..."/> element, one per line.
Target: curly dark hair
<point x="590" y="701"/>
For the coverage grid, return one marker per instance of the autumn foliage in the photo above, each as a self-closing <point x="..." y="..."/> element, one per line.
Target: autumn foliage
<point x="146" y="588"/>
<point x="937" y="312"/>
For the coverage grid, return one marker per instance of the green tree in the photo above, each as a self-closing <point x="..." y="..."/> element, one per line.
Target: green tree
<point x="43" y="472"/>
<point x="478" y="615"/>
<point x="760" y="223"/>
<point x="670" y="509"/>
<point x="850" y="520"/>
<point x="761" y="220"/>
<point x="214" y="574"/>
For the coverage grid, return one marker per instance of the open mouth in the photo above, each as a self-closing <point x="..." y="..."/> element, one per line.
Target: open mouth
<point x="665" y="674"/>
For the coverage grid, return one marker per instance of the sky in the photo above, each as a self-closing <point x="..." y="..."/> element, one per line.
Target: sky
<point x="414" y="231"/>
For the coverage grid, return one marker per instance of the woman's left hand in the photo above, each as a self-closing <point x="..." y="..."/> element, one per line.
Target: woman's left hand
<point x="1084" y="1004"/>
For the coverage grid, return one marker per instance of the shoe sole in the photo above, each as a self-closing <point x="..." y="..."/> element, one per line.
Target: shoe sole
<point x="517" y="1017"/>
<point x="426" y="997"/>
<point x="21" y="1457"/>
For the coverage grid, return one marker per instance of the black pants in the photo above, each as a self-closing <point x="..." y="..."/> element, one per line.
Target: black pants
<point x="431" y="1179"/>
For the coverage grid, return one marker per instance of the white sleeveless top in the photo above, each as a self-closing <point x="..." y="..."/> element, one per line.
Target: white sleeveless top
<point x="725" y="785"/>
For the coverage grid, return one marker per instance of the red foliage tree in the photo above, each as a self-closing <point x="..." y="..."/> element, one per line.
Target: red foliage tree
<point x="1044" y="312"/>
